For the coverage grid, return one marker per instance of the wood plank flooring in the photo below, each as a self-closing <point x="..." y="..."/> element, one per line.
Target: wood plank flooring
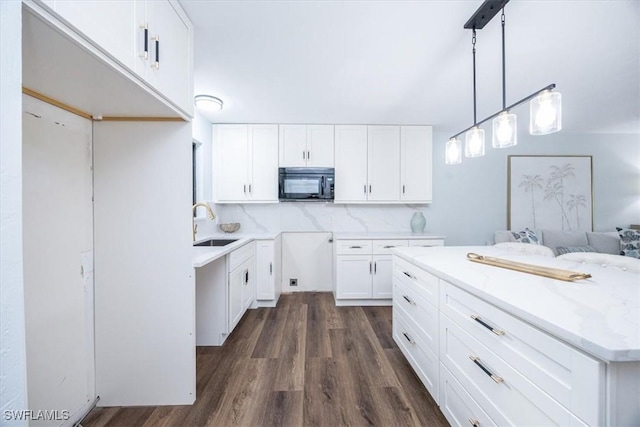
<point x="304" y="363"/>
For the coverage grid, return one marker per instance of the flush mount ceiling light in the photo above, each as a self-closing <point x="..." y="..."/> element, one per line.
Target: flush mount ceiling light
<point x="545" y="106"/>
<point x="208" y="102"/>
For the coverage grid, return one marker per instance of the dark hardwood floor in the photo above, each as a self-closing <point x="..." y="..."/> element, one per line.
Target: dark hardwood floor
<point x="305" y="362"/>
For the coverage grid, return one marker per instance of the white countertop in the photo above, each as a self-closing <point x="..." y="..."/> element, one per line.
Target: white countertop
<point x="600" y="315"/>
<point x="386" y="235"/>
<point x="203" y="255"/>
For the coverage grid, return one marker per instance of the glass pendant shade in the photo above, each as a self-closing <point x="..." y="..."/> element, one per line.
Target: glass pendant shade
<point x="474" y="142"/>
<point x="505" y="130"/>
<point x="546" y="113"/>
<point x="453" y="152"/>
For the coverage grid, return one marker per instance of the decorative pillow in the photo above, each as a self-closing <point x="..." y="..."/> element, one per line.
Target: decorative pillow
<point x="629" y="242"/>
<point x="525" y="248"/>
<point x="570" y="249"/>
<point x="526" y="236"/>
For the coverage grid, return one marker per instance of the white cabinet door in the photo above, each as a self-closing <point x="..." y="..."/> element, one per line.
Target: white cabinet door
<point x="265" y="274"/>
<point x="169" y="53"/>
<point x="231" y="158"/>
<point x="109" y="24"/>
<point x="354" y="274"/>
<point x="320" y="146"/>
<point x="249" y="283"/>
<point x="416" y="163"/>
<point x="382" y="277"/>
<point x="236" y="285"/>
<point x="263" y="167"/>
<point x="293" y="145"/>
<point x="384" y="163"/>
<point x="351" y="163"/>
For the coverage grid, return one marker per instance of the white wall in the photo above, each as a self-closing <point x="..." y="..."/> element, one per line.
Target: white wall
<point x="13" y="373"/>
<point x="470" y="199"/>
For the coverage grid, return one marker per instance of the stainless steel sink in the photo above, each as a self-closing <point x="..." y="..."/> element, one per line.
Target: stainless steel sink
<point x="216" y="242"/>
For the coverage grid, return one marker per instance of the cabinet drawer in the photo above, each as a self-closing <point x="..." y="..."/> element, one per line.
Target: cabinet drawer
<point x="240" y="255"/>
<point x="385" y="247"/>
<point x="353" y="247"/>
<point x="506" y="396"/>
<point x="422" y="315"/>
<point x="423" y="361"/>
<point x="571" y="377"/>
<point x="457" y="405"/>
<point x="426" y="242"/>
<point x="426" y="284"/>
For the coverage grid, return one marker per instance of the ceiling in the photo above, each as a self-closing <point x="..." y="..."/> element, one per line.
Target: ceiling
<point x="409" y="62"/>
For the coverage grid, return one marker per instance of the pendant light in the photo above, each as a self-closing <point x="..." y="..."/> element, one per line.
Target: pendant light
<point x="505" y="125"/>
<point x="546" y="113"/>
<point x="474" y="138"/>
<point x="453" y="152"/>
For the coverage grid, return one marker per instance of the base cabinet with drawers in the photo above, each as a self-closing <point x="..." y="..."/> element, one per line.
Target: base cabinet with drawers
<point x="363" y="268"/>
<point x="485" y="366"/>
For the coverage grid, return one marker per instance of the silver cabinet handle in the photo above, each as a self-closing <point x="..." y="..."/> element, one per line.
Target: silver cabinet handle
<point x="249" y="188"/>
<point x="486" y="325"/>
<point x="493" y="376"/>
<point x="408" y="300"/>
<point x="365" y="189"/>
<point x="408" y="338"/>
<point x="145" y="53"/>
<point x="389" y="246"/>
<point x="244" y="187"/>
<point x="156" y="63"/>
<point x="308" y="155"/>
<point x="370" y="267"/>
<point x="271" y="268"/>
<point x="375" y="267"/>
<point x="474" y="422"/>
<point x="355" y="247"/>
<point x="369" y="188"/>
<point x="303" y="155"/>
<point x="403" y="189"/>
<point x="409" y="275"/>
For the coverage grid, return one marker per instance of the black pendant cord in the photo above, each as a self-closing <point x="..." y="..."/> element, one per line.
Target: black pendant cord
<point x="504" y="73"/>
<point x="473" y="42"/>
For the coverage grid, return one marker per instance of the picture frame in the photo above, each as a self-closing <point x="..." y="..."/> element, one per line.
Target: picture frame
<point x="550" y="192"/>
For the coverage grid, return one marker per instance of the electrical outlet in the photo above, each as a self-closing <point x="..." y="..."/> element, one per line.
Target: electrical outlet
<point x="293" y="282"/>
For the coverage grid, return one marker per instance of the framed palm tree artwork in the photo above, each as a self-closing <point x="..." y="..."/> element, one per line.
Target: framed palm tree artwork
<point x="550" y="192"/>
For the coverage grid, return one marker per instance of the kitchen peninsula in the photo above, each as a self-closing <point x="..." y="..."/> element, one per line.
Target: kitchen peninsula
<point x="505" y="347"/>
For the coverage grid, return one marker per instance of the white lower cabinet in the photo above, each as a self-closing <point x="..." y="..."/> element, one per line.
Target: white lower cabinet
<point x="489" y="367"/>
<point x="364" y="269"/>
<point x="268" y="271"/>
<point x="236" y="306"/>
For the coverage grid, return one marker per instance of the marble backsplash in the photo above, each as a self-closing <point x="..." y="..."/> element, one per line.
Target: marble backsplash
<point x="319" y="216"/>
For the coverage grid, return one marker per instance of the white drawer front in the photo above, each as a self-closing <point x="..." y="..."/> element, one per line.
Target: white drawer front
<point x="426" y="242"/>
<point x="424" y="283"/>
<point x="423" y="315"/>
<point x="568" y="375"/>
<point x="240" y="255"/>
<point x="353" y="247"/>
<point x="506" y="396"/>
<point x="385" y="247"/>
<point x="424" y="361"/>
<point x="457" y="405"/>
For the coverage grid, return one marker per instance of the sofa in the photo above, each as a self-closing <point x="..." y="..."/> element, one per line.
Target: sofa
<point x="600" y="242"/>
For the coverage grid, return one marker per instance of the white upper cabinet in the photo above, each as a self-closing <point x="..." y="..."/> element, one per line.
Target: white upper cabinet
<point x="306" y="146"/>
<point x="110" y="24"/>
<point x="384" y="163"/>
<point x="351" y="163"/>
<point x="416" y="163"/>
<point x="245" y="163"/>
<point x="152" y="38"/>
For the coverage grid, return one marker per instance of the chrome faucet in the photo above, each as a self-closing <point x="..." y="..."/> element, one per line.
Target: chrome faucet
<point x="210" y="215"/>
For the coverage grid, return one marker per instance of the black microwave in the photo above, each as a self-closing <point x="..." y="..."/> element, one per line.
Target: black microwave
<point x="306" y="184"/>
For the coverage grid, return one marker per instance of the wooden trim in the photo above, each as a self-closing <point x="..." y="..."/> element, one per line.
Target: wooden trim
<point x="141" y="119"/>
<point x="88" y="116"/>
<point x="58" y="104"/>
